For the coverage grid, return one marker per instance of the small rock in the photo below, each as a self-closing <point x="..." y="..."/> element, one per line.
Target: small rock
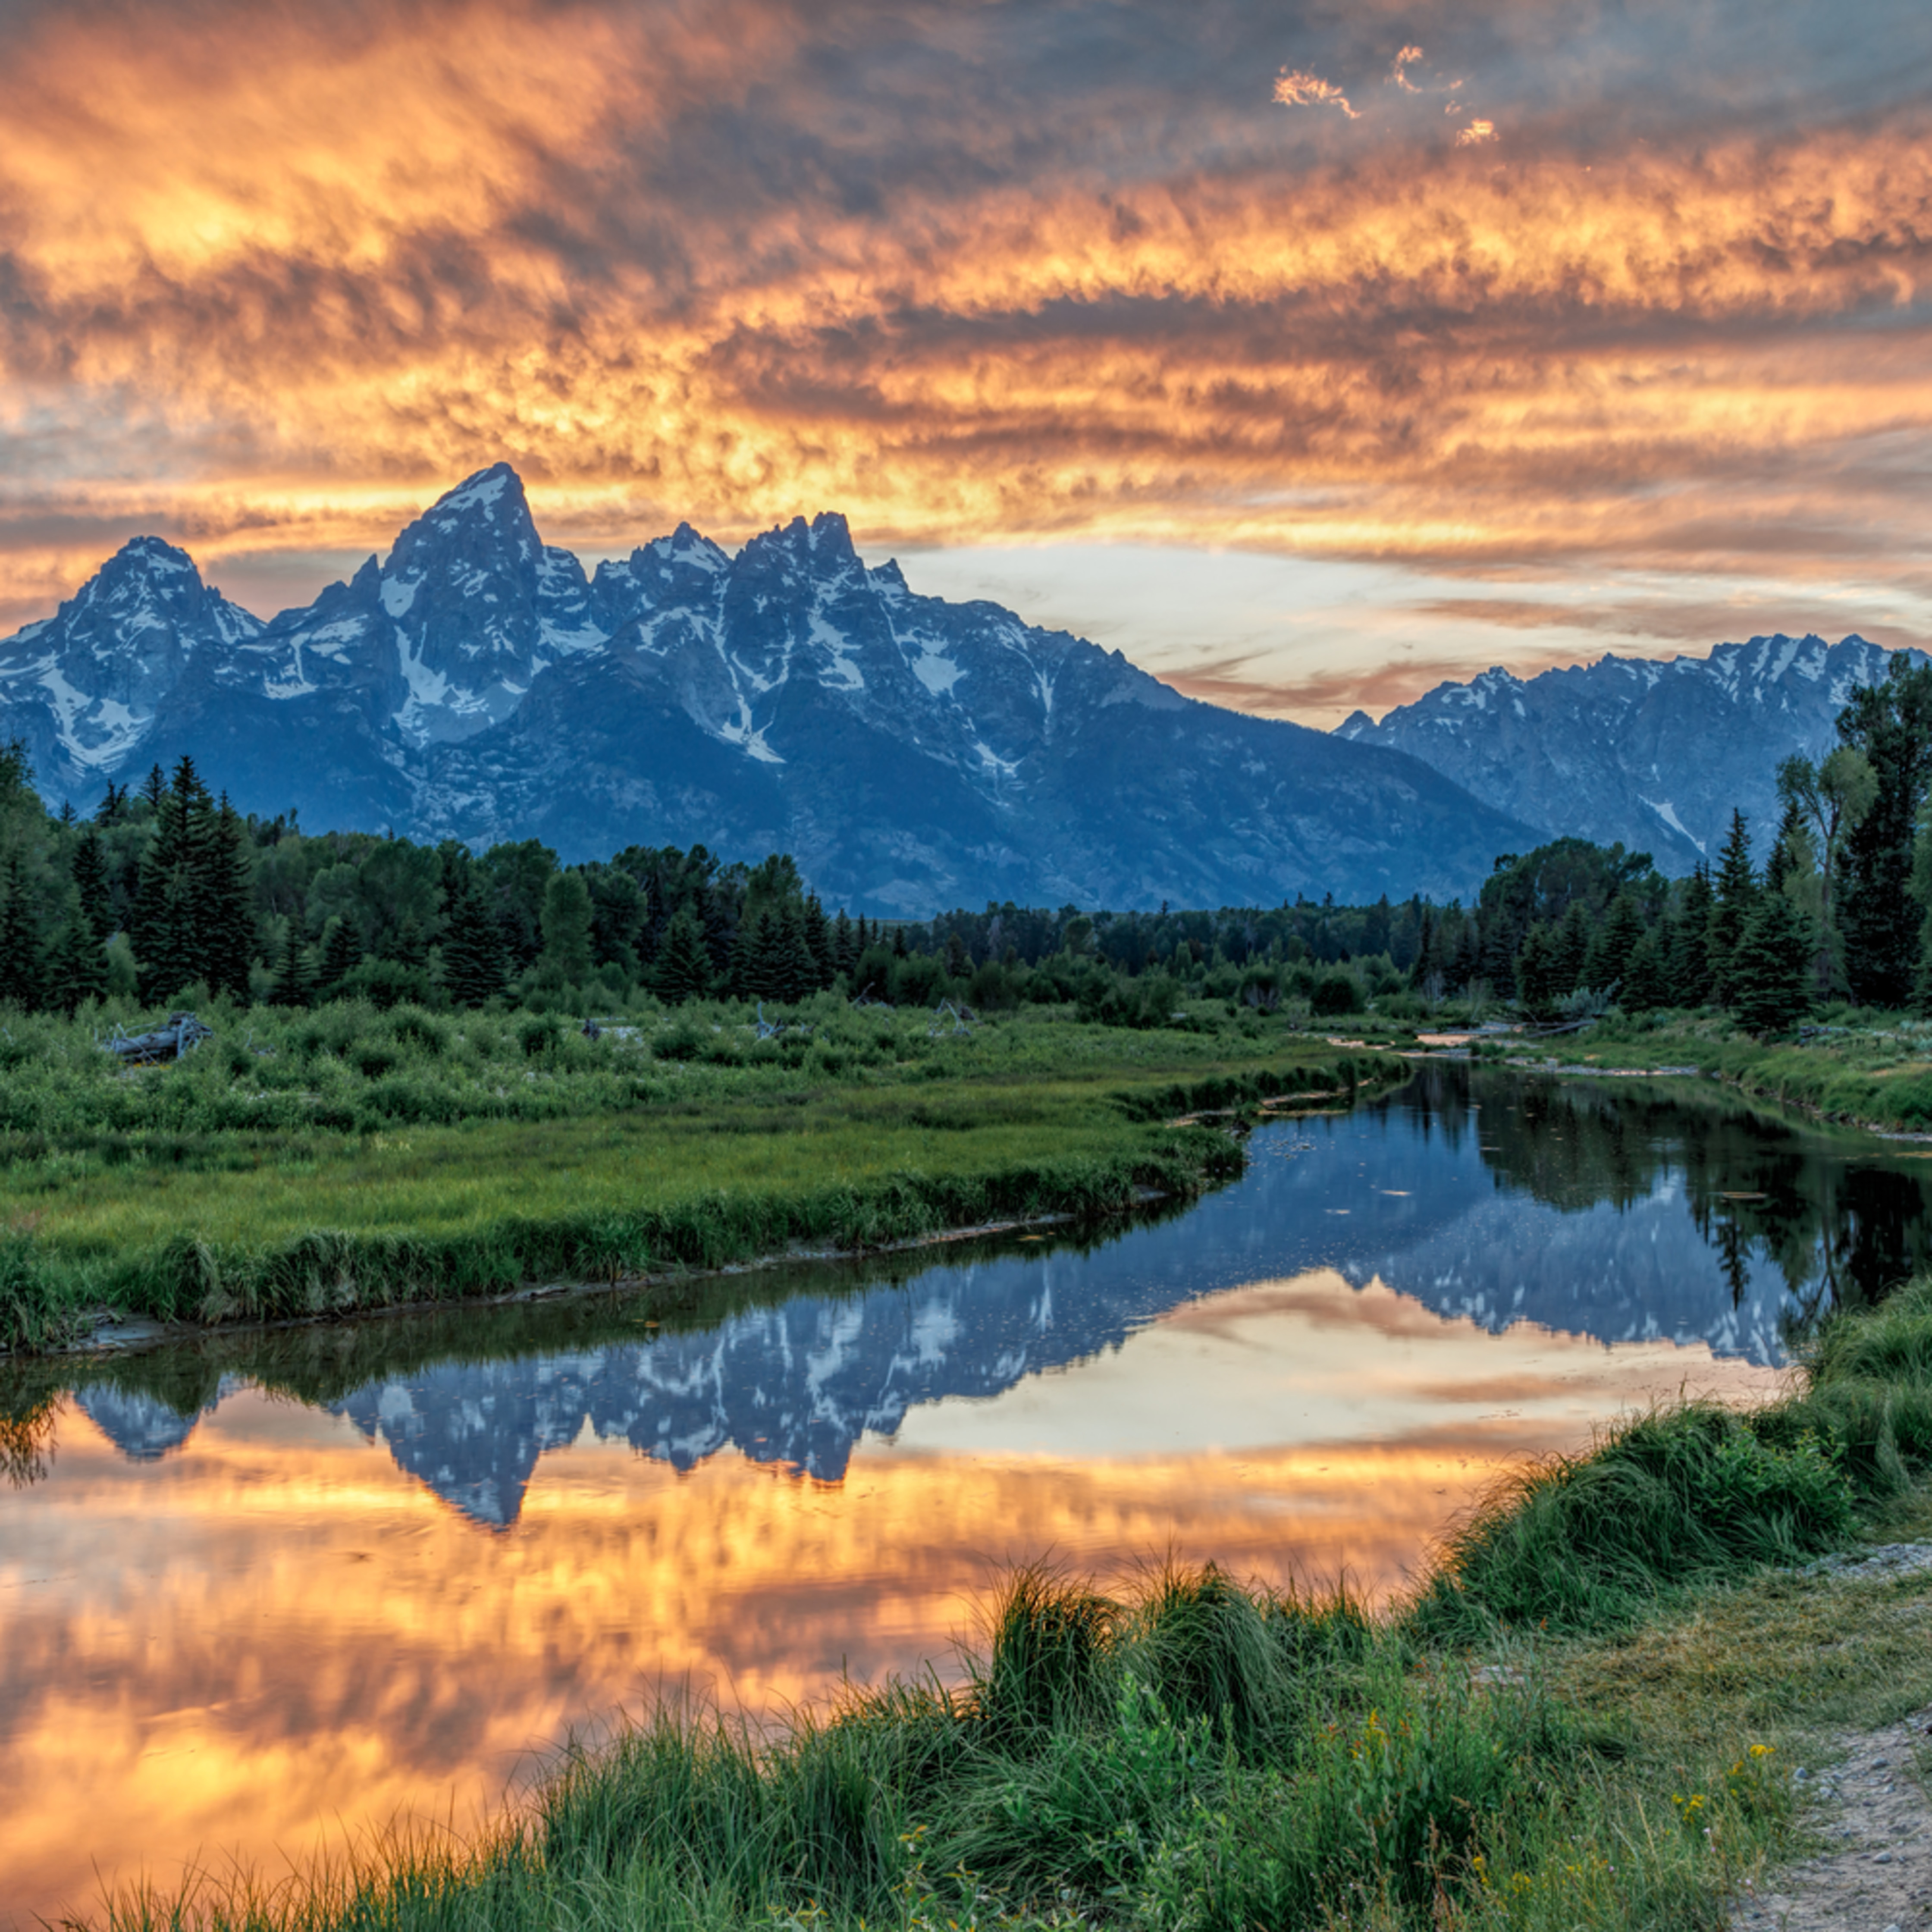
<point x="1883" y="1859"/>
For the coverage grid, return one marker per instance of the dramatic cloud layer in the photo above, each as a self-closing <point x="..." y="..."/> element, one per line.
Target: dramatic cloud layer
<point x="1530" y="294"/>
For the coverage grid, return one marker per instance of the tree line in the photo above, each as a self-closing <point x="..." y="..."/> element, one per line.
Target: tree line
<point x="166" y="892"/>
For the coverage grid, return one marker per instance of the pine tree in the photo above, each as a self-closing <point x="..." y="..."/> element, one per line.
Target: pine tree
<point x="154" y="788"/>
<point x="1890" y="724"/>
<point x="1615" y="940"/>
<point x="295" y="984"/>
<point x="1535" y="970"/>
<point x="77" y="968"/>
<point x="474" y="969"/>
<point x="566" y="919"/>
<point x="1646" y="984"/>
<point x="1688" y="959"/>
<point x="90" y="880"/>
<point x="19" y="938"/>
<point x="226" y="935"/>
<point x="819" y="943"/>
<point x="160" y="926"/>
<point x="1787" y="849"/>
<point x="1569" y="951"/>
<point x="1770" y="966"/>
<point x="341" y="954"/>
<point x="1737" y="893"/>
<point x="794" y="972"/>
<point x="683" y="970"/>
<point x="844" y="945"/>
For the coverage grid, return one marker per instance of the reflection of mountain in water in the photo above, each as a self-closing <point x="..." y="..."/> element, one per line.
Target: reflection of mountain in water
<point x="1591" y="1210"/>
<point x="143" y="1426"/>
<point x="797" y="1385"/>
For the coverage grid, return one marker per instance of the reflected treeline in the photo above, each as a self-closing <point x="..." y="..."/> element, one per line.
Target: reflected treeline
<point x="1839" y="1222"/>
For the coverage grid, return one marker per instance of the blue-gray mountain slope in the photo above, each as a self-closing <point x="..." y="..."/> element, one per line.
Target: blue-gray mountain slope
<point x="915" y="755"/>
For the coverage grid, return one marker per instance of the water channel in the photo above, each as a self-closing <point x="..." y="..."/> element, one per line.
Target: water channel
<point x="260" y="1596"/>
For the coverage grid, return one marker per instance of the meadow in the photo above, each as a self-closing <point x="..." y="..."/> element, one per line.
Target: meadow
<point x="304" y="1164"/>
<point x="1590" y="1713"/>
<point x="1855" y="1067"/>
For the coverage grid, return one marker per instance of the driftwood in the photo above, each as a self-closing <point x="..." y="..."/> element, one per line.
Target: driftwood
<point x="963" y="1019"/>
<point x="182" y="1035"/>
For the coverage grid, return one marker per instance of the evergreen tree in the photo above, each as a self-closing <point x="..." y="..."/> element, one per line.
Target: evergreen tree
<point x="566" y="928"/>
<point x="1688" y="958"/>
<point x="861" y="939"/>
<point x="227" y="934"/>
<point x="794" y="970"/>
<point x="474" y="969"/>
<point x="1770" y="966"/>
<point x="819" y="944"/>
<point x="1786" y="849"/>
<point x="683" y="969"/>
<point x="1428" y="957"/>
<point x="20" y="937"/>
<point x="90" y="881"/>
<point x="154" y="788"/>
<point x="1569" y="951"/>
<point x="1890" y="724"/>
<point x="295" y="984"/>
<point x="1646" y="980"/>
<point x="1615" y="940"/>
<point x="844" y="945"/>
<point x="1536" y="970"/>
<point x="161" y="924"/>
<point x="1736" y="897"/>
<point x="77" y="970"/>
<point x="341" y="954"/>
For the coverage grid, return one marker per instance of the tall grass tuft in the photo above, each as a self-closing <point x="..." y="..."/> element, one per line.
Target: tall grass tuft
<point x="1586" y="1541"/>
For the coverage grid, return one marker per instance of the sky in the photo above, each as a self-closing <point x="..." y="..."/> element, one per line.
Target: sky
<point x="1308" y="353"/>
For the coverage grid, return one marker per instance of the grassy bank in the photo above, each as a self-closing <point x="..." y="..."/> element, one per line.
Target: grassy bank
<point x="328" y="1162"/>
<point x="1867" y="1070"/>
<point x="1587" y="1715"/>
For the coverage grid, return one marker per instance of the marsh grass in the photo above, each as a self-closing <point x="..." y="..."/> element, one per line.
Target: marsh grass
<point x="1876" y="1073"/>
<point x="208" y="1223"/>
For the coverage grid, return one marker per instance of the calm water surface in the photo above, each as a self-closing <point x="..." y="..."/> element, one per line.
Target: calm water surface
<point x="259" y="1597"/>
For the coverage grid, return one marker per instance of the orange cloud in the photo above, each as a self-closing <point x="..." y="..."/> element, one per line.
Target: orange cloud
<point x="272" y="280"/>
<point x="1293" y="89"/>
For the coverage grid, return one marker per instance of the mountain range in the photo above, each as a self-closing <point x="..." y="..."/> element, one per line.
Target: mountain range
<point x="1656" y="754"/>
<point x="914" y="754"/>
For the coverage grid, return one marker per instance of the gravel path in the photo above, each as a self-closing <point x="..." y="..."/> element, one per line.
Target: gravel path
<point x="1874" y="1812"/>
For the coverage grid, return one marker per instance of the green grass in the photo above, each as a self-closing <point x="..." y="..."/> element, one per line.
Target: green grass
<point x="1586" y="1717"/>
<point x="1875" y="1073"/>
<point x="584" y="1161"/>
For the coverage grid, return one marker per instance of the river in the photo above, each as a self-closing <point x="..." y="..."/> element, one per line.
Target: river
<point x="263" y="1595"/>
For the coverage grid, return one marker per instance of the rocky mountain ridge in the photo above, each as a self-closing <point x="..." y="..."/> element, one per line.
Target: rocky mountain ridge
<point x="1655" y="753"/>
<point x="914" y="754"/>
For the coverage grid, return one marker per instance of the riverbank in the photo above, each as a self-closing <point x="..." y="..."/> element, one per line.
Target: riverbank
<point x="1594" y="1712"/>
<point x="346" y="1161"/>
<point x="1872" y="1072"/>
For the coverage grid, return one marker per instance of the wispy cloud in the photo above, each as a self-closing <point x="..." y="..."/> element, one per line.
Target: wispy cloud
<point x="1294" y="89"/>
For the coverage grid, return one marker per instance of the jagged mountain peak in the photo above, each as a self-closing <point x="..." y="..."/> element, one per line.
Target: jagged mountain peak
<point x="1654" y="752"/>
<point x="472" y="682"/>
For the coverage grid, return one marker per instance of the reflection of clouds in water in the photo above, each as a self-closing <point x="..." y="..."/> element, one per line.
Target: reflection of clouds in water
<point x="231" y="1641"/>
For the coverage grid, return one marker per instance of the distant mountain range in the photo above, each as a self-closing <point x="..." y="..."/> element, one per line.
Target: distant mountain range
<point x="914" y="754"/>
<point x="1655" y="754"/>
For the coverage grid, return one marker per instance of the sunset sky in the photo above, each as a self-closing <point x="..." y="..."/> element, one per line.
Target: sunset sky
<point x="1308" y="353"/>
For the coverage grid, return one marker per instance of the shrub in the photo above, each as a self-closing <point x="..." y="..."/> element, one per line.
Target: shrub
<point x="1335" y="993"/>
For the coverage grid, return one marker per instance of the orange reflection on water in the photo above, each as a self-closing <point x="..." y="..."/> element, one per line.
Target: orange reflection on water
<point x="274" y="1638"/>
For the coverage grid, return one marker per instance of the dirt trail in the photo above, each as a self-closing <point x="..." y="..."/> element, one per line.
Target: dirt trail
<point x="1875" y="1812"/>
